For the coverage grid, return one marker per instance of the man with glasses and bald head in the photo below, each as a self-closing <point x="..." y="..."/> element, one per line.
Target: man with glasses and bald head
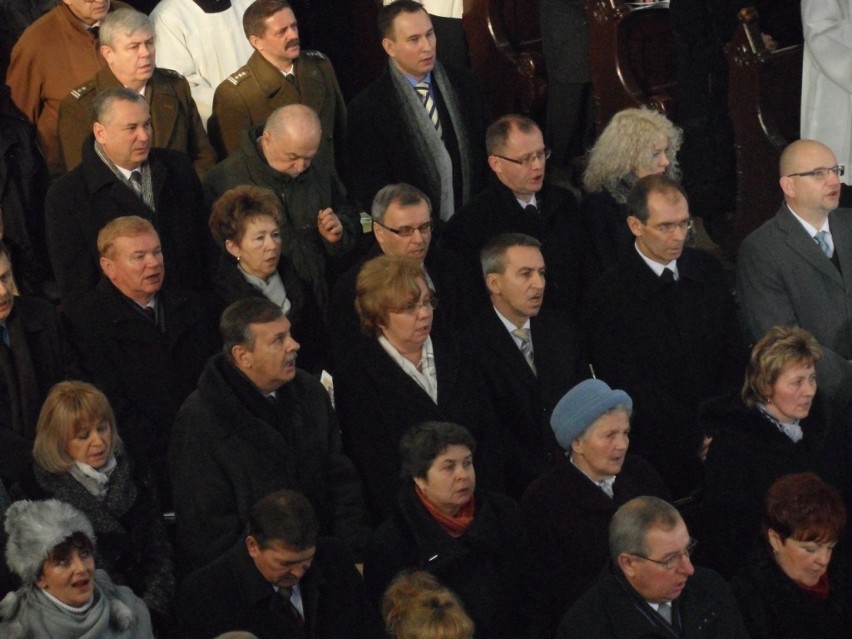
<point x="661" y="325"/>
<point x="651" y="588"/>
<point x="796" y="269"/>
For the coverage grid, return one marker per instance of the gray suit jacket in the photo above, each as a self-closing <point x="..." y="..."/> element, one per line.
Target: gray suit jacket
<point x="783" y="278"/>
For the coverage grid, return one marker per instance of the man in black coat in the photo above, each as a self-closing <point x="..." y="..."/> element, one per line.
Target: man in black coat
<point x="517" y="200"/>
<point x="419" y="122"/>
<point x="255" y="425"/>
<point x="651" y="588"/>
<point x="280" y="581"/>
<point x="122" y="175"/>
<point x="142" y="344"/>
<point x="662" y="326"/>
<point x="522" y="388"/>
<point x="35" y="354"/>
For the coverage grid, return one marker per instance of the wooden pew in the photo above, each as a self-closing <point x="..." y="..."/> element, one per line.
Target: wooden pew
<point x="632" y="58"/>
<point x="764" y="94"/>
<point x="504" y="45"/>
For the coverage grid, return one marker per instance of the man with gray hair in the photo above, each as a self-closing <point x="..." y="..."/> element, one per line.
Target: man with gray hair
<point x="121" y="174"/>
<point x="402" y="226"/>
<point x="127" y="45"/>
<point x="651" y="588"/>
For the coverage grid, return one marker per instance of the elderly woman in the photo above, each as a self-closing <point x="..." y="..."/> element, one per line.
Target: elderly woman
<point x="635" y="143"/>
<point x="472" y="541"/>
<point x="774" y="428"/>
<point x="568" y="508"/>
<point x="246" y="224"/>
<point x="79" y="458"/>
<point x="51" y="549"/>
<point x="790" y="587"/>
<point x="416" y="606"/>
<point x="402" y="376"/>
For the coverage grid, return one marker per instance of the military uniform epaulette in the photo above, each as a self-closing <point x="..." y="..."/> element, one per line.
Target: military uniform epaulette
<point x="79" y="92"/>
<point x="314" y="54"/>
<point x="239" y="76"/>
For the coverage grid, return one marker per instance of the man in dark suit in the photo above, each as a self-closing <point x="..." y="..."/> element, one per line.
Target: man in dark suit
<point x="529" y="356"/>
<point x="518" y="201"/>
<point x="420" y="122"/>
<point x="280" y="580"/>
<point x="402" y="225"/>
<point x="662" y="326"/>
<point x="796" y="269"/>
<point x="127" y="45"/>
<point x="142" y="344"/>
<point x="278" y="73"/>
<point x="34" y="355"/>
<point x="122" y="175"/>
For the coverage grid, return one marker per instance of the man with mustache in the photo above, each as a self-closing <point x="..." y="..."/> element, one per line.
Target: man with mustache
<point x="796" y="269"/>
<point x="661" y="325"/>
<point x="517" y="200"/>
<point x="143" y="344"/>
<point x="277" y="74"/>
<point x="254" y="425"/>
<point x="122" y="175"/>
<point x="280" y="579"/>
<point x="528" y="356"/>
<point x="127" y="45"/>
<point x="651" y="588"/>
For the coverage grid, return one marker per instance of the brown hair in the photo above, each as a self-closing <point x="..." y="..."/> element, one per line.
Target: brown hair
<point x="384" y="283"/>
<point x="780" y="347"/>
<point x="417" y="606"/>
<point x="257" y="13"/>
<point x="126" y="226"/>
<point x="804" y="507"/>
<point x="69" y="406"/>
<point x="233" y="211"/>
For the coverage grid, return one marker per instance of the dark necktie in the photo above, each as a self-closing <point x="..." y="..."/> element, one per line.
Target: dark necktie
<point x="291" y="78"/>
<point x="136" y="181"/>
<point x="422" y="89"/>
<point x="151" y="312"/>
<point x="667" y="276"/>
<point x="531" y="209"/>
<point x="286" y="601"/>
<point x="4" y="335"/>
<point x="95" y="31"/>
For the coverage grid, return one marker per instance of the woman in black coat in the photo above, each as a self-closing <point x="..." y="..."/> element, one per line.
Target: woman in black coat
<point x="79" y="459"/>
<point x="472" y="541"/>
<point x="792" y="586"/>
<point x="405" y="375"/>
<point x="777" y="427"/>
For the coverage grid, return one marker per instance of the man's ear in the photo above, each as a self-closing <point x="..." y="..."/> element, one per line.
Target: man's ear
<point x="787" y="186"/>
<point x="626" y="563"/>
<point x="107" y="267"/>
<point x="98" y="129"/>
<point x="252" y="546"/>
<point x="492" y="283"/>
<point x="389" y="46"/>
<point x="241" y="356"/>
<point x="635" y="226"/>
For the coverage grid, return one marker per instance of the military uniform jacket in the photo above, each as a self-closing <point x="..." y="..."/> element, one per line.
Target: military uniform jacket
<point x="248" y="96"/>
<point x="174" y="118"/>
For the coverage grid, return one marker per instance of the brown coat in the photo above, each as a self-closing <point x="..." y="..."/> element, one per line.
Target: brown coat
<point x="174" y="117"/>
<point x="248" y="96"/>
<point x="54" y="55"/>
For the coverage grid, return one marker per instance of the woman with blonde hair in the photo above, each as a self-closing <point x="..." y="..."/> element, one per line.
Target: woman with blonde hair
<point x="79" y="458"/>
<point x="635" y="143"/>
<point x="416" y="606"/>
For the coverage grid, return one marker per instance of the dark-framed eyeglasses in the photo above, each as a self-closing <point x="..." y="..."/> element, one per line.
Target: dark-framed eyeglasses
<point x="821" y="173"/>
<point x="408" y="231"/>
<point x="412" y="308"/>
<point x="672" y="561"/>
<point x="527" y="160"/>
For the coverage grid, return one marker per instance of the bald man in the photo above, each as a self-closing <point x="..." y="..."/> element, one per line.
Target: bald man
<point x="796" y="269"/>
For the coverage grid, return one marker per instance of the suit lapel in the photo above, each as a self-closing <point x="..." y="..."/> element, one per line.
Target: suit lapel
<point x="501" y="342"/>
<point x="803" y="244"/>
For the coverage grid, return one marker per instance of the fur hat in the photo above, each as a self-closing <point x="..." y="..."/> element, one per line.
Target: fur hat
<point x="35" y="528"/>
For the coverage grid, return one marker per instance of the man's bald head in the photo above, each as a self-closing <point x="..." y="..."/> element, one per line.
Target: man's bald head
<point x="809" y="180"/>
<point x="291" y="138"/>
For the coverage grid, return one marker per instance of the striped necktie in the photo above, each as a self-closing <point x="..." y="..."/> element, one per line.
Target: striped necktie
<point x="422" y="89"/>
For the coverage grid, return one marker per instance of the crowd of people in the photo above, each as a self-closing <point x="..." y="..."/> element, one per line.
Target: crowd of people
<point x="275" y="365"/>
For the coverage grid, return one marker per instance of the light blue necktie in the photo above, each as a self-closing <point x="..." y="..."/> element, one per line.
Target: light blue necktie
<point x="820" y="238"/>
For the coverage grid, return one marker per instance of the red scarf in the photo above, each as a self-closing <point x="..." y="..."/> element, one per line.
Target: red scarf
<point x="456" y="526"/>
<point x="819" y="589"/>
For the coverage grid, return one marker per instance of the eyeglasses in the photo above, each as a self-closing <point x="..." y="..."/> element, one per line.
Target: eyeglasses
<point x="673" y="561"/>
<point x="667" y="228"/>
<point x="412" y="308"/>
<point x="822" y="172"/>
<point x="408" y="231"/>
<point x="528" y="160"/>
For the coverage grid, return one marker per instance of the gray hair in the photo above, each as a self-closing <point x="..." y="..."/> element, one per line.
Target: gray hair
<point x="492" y="257"/>
<point x="402" y="194"/>
<point x="103" y="102"/>
<point x="628" y="530"/>
<point x="127" y="21"/>
<point x="291" y="118"/>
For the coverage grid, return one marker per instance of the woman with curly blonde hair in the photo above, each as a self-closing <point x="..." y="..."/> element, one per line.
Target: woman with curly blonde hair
<point x="635" y="143"/>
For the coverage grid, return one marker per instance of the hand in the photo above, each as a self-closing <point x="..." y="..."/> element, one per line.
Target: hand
<point x="705" y="448"/>
<point x="329" y="226"/>
<point x="769" y="42"/>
